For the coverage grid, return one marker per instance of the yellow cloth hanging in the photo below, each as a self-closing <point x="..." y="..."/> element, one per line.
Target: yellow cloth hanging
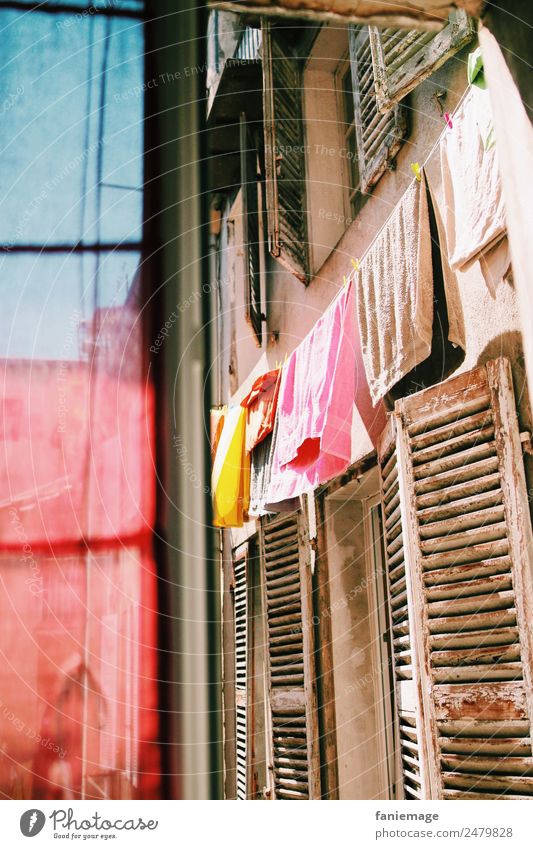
<point x="230" y="481"/>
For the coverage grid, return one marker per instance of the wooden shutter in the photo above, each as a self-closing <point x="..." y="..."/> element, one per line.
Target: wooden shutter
<point x="284" y="154"/>
<point x="286" y="575"/>
<point x="411" y="765"/>
<point x="379" y="136"/>
<point x="459" y="548"/>
<point x="250" y="230"/>
<point x="241" y="673"/>
<point x="403" y="58"/>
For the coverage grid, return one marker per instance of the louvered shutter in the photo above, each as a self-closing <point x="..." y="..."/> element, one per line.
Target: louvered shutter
<point x="285" y="559"/>
<point x="284" y="154"/>
<point x="379" y="136"/>
<point x="241" y="674"/>
<point x="411" y="763"/>
<point x="250" y="231"/>
<point x="459" y="549"/>
<point x="403" y="58"/>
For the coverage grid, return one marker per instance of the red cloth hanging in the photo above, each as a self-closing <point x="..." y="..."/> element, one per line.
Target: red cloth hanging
<point x="261" y="404"/>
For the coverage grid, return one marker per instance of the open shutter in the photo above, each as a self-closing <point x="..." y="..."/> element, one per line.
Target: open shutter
<point x="379" y="136"/>
<point x="285" y="559"/>
<point x="284" y="154"/>
<point x="250" y="230"/>
<point x="403" y="58"/>
<point x="412" y="763"/>
<point x="241" y="673"/>
<point x="467" y="548"/>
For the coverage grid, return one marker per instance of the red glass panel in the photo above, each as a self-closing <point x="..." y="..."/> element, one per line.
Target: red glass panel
<point x="78" y="705"/>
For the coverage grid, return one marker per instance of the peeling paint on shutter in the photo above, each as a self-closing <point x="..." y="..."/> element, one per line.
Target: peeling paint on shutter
<point x="466" y="513"/>
<point x="241" y="674"/>
<point x="284" y="154"/>
<point x="379" y="135"/>
<point x="250" y="230"/>
<point x="404" y="58"/>
<point x="287" y="591"/>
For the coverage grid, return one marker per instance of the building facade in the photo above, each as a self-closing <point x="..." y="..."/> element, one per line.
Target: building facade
<point x="377" y="641"/>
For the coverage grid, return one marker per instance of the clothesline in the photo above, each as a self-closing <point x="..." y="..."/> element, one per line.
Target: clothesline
<point x="426" y="160"/>
<point x="272" y="450"/>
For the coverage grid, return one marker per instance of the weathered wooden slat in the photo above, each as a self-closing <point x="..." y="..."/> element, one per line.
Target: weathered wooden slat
<point x="396" y="543"/>
<point x="388" y="464"/>
<point x="473" y="727"/>
<point x="287" y="680"/>
<point x="478" y="451"/>
<point x="280" y="602"/>
<point x="396" y="572"/>
<point x="285" y="793"/>
<point x="475" y="674"/>
<point x="447" y="402"/>
<point x="281" y="564"/>
<point x="398" y="586"/>
<point x="517" y="746"/>
<point x="467" y="657"/>
<point x="464" y="794"/>
<point x="455" y="492"/>
<point x="473" y="639"/>
<point x="485" y="466"/>
<point x="461" y="507"/>
<point x="473" y="604"/>
<point x="457" y="427"/>
<point x="392" y="476"/>
<point x="454" y="449"/>
<point x="503" y="783"/>
<point x="468" y="571"/>
<point x="468" y="538"/>
<point x="412" y="778"/>
<point x="396" y="558"/>
<point x="467" y="554"/>
<point x="393" y="520"/>
<point x="463" y="522"/>
<point x="473" y="622"/>
<point x="499" y="700"/>
<point x="477" y="586"/>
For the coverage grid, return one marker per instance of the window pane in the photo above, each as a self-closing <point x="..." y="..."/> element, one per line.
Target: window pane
<point x="78" y="675"/>
<point x="76" y="411"/>
<point x="71" y="137"/>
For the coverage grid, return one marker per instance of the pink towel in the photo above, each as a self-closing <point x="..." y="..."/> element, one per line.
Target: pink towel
<point x="315" y="405"/>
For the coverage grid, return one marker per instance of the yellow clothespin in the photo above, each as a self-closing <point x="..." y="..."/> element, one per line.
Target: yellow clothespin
<point x="344" y="280"/>
<point x="415" y="168"/>
<point x="356" y="264"/>
<point x="286" y="358"/>
<point x="278" y="364"/>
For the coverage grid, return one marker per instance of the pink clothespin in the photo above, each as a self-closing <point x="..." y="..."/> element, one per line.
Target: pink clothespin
<point x="449" y="122"/>
<point x="415" y="168"/>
